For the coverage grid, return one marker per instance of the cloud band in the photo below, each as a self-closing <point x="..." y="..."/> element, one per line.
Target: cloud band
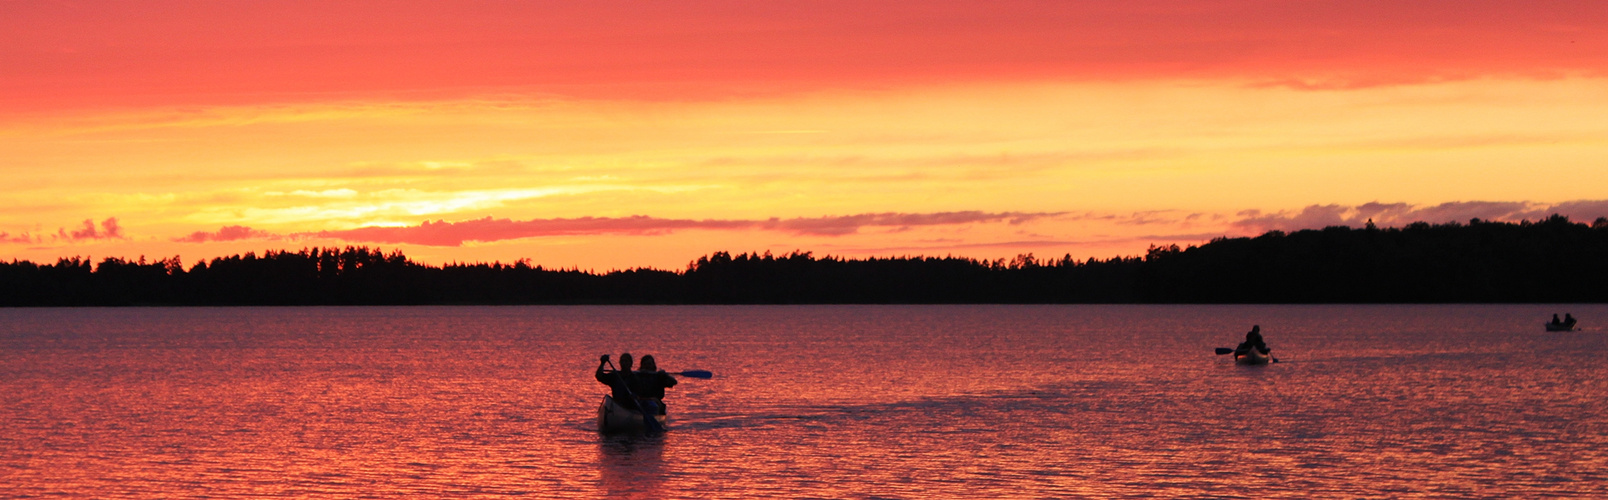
<point x="440" y="233"/>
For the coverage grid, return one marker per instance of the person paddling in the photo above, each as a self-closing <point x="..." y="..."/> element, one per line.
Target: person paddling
<point x="619" y="381"/>
<point x="1253" y="351"/>
<point x="1253" y="340"/>
<point x="649" y="384"/>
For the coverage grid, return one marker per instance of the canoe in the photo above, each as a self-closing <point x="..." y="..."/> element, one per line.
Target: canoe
<point x="1560" y="327"/>
<point x="613" y="418"/>
<point x="1252" y="356"/>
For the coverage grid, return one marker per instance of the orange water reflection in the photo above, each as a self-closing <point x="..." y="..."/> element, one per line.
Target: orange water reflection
<point x="632" y="466"/>
<point x="830" y="402"/>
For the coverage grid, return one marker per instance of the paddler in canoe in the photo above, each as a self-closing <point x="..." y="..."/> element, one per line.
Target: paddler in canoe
<point x="649" y="383"/>
<point x="621" y="409"/>
<point x="633" y="391"/>
<point x="1253" y="351"/>
<point x="1567" y="324"/>
<point x="635" y="402"/>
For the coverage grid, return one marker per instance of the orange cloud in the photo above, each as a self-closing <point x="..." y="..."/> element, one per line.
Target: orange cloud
<point x="226" y="233"/>
<point x="441" y="233"/>
<point x="1396" y="214"/>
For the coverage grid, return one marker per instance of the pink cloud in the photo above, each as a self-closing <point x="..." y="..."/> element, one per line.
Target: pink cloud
<point x="440" y="233"/>
<point x="108" y="230"/>
<point x="849" y="224"/>
<point x="226" y="233"/>
<point x="22" y="238"/>
<point x="1397" y="214"/>
<point x="1156" y="217"/>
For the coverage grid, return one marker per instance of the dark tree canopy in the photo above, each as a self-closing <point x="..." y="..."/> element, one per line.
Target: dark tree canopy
<point x="1553" y="260"/>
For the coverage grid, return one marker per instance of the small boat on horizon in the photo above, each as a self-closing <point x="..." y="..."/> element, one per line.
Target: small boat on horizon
<point x="1567" y="324"/>
<point x="1560" y="327"/>
<point x="614" y="419"/>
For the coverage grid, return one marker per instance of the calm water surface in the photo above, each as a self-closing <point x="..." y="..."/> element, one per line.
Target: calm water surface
<point x="807" y="401"/>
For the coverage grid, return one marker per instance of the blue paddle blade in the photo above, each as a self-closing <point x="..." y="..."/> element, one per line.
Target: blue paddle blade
<point x="697" y="374"/>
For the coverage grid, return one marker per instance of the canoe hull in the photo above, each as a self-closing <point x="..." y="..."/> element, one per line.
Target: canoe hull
<point x="613" y="418"/>
<point x="1560" y="327"/>
<point x="1252" y="357"/>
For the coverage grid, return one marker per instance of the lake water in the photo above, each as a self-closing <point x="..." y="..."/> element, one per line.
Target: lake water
<point x="1456" y="401"/>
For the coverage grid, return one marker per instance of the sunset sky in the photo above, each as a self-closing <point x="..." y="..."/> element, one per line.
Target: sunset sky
<point x="606" y="135"/>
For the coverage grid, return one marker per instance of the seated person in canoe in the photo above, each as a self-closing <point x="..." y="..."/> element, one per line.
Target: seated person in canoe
<point x="619" y="381"/>
<point x="1253" y="340"/>
<point x="649" y="384"/>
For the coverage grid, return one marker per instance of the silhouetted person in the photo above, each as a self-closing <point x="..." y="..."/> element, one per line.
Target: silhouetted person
<point x="619" y="381"/>
<point x="650" y="383"/>
<point x="1568" y="319"/>
<point x="1555" y="320"/>
<point x="1253" y="339"/>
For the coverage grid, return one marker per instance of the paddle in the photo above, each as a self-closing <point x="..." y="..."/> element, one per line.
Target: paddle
<point x="648" y="419"/>
<point x="695" y="374"/>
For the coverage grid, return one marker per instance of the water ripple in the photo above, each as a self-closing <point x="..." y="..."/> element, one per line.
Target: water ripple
<point x="808" y="402"/>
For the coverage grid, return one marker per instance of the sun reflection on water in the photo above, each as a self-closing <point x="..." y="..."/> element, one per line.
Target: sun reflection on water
<point x="827" y="402"/>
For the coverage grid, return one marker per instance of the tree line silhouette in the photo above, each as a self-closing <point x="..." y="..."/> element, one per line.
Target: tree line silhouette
<point x="1553" y="260"/>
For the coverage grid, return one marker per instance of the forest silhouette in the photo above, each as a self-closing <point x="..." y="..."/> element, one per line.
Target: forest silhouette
<point x="1552" y="260"/>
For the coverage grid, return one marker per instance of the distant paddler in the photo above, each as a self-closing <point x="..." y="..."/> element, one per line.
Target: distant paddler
<point x="1567" y="324"/>
<point x="1253" y="351"/>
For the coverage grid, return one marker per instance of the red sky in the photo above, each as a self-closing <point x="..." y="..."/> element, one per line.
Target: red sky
<point x="298" y="122"/>
<point x="72" y="54"/>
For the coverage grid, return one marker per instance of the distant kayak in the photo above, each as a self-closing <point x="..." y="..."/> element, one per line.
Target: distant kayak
<point x="1252" y="356"/>
<point x="613" y="418"/>
<point x="1560" y="327"/>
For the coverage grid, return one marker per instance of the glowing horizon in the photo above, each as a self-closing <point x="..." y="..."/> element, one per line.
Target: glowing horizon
<point x="608" y="137"/>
